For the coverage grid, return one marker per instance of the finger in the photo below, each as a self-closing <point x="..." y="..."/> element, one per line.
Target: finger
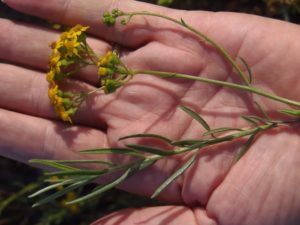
<point x="166" y="215"/>
<point x="90" y="12"/>
<point x="26" y="91"/>
<point x="26" y="137"/>
<point x="29" y="45"/>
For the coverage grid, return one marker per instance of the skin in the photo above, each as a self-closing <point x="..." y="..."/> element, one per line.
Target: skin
<point x="262" y="188"/>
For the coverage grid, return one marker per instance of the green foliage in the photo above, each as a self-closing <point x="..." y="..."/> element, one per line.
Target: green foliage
<point x="165" y="2"/>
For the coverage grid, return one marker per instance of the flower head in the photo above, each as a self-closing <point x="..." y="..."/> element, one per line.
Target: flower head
<point x="63" y="105"/>
<point x="69" y="50"/>
<point x="110" y="86"/>
<point x="109" y="19"/>
<point x="107" y="65"/>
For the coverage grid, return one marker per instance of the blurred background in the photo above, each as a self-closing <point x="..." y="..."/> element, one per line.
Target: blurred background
<point x="17" y="180"/>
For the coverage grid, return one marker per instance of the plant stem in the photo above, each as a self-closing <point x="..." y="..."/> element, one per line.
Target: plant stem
<point x="202" y="36"/>
<point x="219" y="83"/>
<point x="227" y="138"/>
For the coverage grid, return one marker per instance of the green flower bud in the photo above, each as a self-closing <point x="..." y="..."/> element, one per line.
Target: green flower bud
<point x="110" y="86"/>
<point x="109" y="20"/>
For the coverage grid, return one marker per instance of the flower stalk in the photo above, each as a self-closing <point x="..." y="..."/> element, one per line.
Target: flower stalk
<point x="241" y="87"/>
<point x="129" y="15"/>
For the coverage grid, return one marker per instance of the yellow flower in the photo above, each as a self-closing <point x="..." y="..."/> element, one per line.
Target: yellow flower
<point x="66" y="52"/>
<point x="63" y="37"/>
<point x="64" y="115"/>
<point x="105" y="59"/>
<point x="50" y="77"/>
<point x="102" y="71"/>
<point x="78" y="29"/>
<point x="58" y="103"/>
<point x="55" y="62"/>
<point x="56" y="45"/>
<point x="72" y="48"/>
<point x="52" y="93"/>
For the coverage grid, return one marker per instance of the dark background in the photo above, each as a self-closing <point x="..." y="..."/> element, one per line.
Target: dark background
<point x="17" y="180"/>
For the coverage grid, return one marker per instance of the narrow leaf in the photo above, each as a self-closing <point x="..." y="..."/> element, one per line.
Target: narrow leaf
<point x="260" y="108"/>
<point x="182" y="22"/>
<point x="245" y="147"/>
<point x="82" y="172"/>
<point x="123" y="151"/>
<point x="187" y="142"/>
<point x="147" y="149"/>
<point x="175" y="175"/>
<point x="58" y="194"/>
<point x="146" y="163"/>
<point x="250" y="76"/>
<point x="249" y="120"/>
<point x="259" y="119"/>
<point x="103" y="188"/>
<point x="84" y="161"/>
<point x="221" y="130"/>
<point x="147" y="136"/>
<point x="290" y="112"/>
<point x="54" y="186"/>
<point x="53" y="164"/>
<point x="195" y="116"/>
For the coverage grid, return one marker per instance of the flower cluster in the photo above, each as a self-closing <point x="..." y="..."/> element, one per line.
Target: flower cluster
<point x="108" y="66"/>
<point x="63" y="103"/>
<point x="109" y="19"/>
<point x="67" y="51"/>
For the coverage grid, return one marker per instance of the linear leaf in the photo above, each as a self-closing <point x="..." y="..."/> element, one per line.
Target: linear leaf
<point x="103" y="188"/>
<point x="245" y="147"/>
<point x="195" y="116"/>
<point x="221" y="130"/>
<point x="84" y="161"/>
<point x="187" y="142"/>
<point x="58" y="194"/>
<point x="146" y="163"/>
<point x="53" y="164"/>
<point x="123" y="151"/>
<point x="175" y="175"/>
<point x="82" y="172"/>
<point x="182" y="22"/>
<point x="53" y="186"/>
<point x="250" y="76"/>
<point x="260" y="108"/>
<point x="259" y="119"/>
<point x="290" y="112"/>
<point x="147" y="136"/>
<point x="147" y="149"/>
<point x="249" y="120"/>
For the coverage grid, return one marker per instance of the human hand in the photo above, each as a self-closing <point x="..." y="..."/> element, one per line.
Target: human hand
<point x="260" y="189"/>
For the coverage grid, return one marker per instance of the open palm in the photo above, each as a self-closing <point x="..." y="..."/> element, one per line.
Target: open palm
<point x="260" y="189"/>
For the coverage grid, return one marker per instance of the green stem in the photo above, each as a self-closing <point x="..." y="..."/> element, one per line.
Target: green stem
<point x="219" y="83"/>
<point x="227" y="138"/>
<point x="202" y="36"/>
